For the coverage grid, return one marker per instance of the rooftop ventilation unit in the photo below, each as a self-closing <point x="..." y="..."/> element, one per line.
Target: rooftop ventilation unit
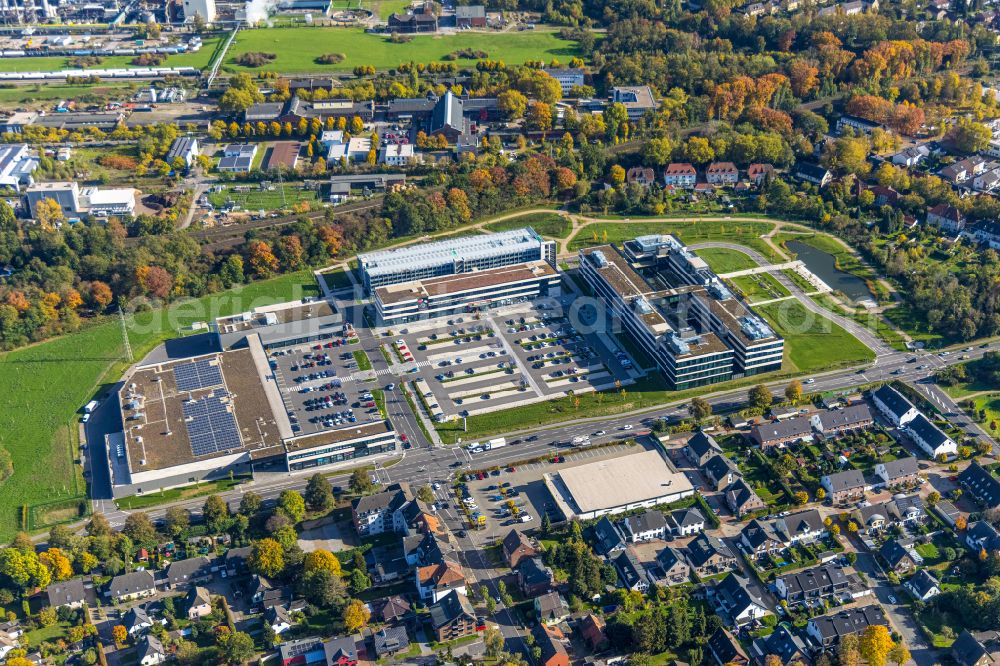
<point x="755" y="329"/>
<point x="599" y="258"/>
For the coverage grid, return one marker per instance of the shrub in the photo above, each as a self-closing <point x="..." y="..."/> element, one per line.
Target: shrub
<point x="330" y="59"/>
<point x="149" y="59"/>
<point x="254" y="59"/>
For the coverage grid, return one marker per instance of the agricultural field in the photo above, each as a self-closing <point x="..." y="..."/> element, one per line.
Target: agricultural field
<point x="297" y="48"/>
<point x="44" y="387"/>
<point x="813" y="343"/>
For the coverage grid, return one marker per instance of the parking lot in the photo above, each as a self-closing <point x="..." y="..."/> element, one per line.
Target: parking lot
<point x="466" y="366"/>
<point x="516" y="496"/>
<point x="323" y="387"/>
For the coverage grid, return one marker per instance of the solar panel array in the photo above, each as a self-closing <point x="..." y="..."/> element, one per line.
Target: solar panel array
<point x="199" y="374"/>
<point x="211" y="425"/>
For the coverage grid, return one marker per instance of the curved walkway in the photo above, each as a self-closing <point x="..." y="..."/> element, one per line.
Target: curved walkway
<point x="867" y="338"/>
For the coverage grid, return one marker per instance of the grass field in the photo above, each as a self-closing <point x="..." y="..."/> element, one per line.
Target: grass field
<point x="813" y="343"/>
<point x="872" y="322"/>
<point x="730" y="231"/>
<point x="550" y="225"/>
<point x="41" y="92"/>
<point x="177" y="494"/>
<point x="724" y="260"/>
<point x="760" y="287"/>
<point x="44" y="387"/>
<point x="298" y="48"/>
<point x="50" y="64"/>
<point x="265" y="199"/>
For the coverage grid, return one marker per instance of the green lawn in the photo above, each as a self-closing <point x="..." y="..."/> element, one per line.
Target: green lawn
<point x="298" y="48"/>
<point x="49" y="63"/>
<point x="550" y="225"/>
<point x="699" y="231"/>
<point x="724" y="260"/>
<point x="37" y="92"/>
<point x="182" y="493"/>
<point x="813" y="343"/>
<point x="760" y="287"/>
<point x="364" y="363"/>
<point x="267" y="200"/>
<point x="45" y="385"/>
<point x="873" y="322"/>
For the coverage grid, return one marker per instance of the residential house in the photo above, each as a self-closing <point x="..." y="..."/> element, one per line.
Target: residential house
<point x="782" y="643"/>
<point x="7" y="644"/>
<point x="893" y="406"/>
<point x="900" y="510"/>
<point x="700" y="448"/>
<point x="759" y="173"/>
<point x="452" y="616"/>
<point x="884" y="196"/>
<point x="150" y="651"/>
<point x="911" y="157"/>
<point x="637" y="100"/>
<point x="198" y="602"/>
<point x="844" y="487"/>
<point x="820" y="582"/>
<point x="341" y="651"/>
<point x="645" y="526"/>
<point x="551" y="608"/>
<point x="382" y="512"/>
<point x="313" y="651"/>
<point x="856" y="124"/>
<point x="434" y="581"/>
<point x="947" y="512"/>
<point x="813" y="173"/>
<point x="550" y="641"/>
<point x="984" y="233"/>
<point x="279" y="619"/>
<point x="963" y="170"/>
<point x="71" y="593"/>
<point x="899" y="472"/>
<point x="971" y="650"/>
<point x="721" y="472"/>
<point x="900" y="557"/>
<point x="470" y="16"/>
<point x="673" y="566"/>
<point x="800" y="527"/>
<point x="608" y="537"/>
<point x="981" y="535"/>
<point x="726" y="649"/>
<point x="236" y="561"/>
<point x="769" y="434"/>
<point x="680" y="174"/>
<point x="922" y="585"/>
<point x="394" y="610"/>
<point x="760" y="538"/>
<point x="741" y="499"/>
<point x="827" y="630"/>
<point x="534" y="577"/>
<point x="722" y="173"/>
<point x="947" y="218"/>
<point x="685" y="522"/>
<point x="516" y="546"/>
<point x="591" y="630"/>
<point x="837" y="422"/>
<point x="390" y="640"/>
<point x="631" y="572"/>
<point x="930" y="438"/>
<point x="413" y="23"/>
<point x="638" y="175"/>
<point x="708" y="555"/>
<point x="137" y="621"/>
<point x="987" y="181"/>
<point x="135" y="585"/>
<point x="981" y="485"/>
<point x="189" y="571"/>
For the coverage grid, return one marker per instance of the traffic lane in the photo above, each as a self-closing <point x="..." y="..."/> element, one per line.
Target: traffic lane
<point x="103" y="421"/>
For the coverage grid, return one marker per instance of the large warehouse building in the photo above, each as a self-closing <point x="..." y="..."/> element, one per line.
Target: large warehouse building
<point x="617" y="485"/>
<point x="457" y="256"/>
<point x="680" y="313"/>
<point x="280" y="325"/>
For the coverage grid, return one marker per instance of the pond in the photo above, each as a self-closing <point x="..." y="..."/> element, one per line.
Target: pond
<point x="824" y="265"/>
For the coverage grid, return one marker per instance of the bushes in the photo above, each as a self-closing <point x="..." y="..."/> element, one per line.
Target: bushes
<point x="254" y="59"/>
<point x="149" y="59"/>
<point x="330" y="59"/>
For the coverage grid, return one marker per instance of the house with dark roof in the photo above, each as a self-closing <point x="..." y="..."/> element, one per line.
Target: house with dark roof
<point x="534" y="577"/>
<point x="150" y="651"/>
<point x="900" y="557"/>
<point x="769" y="434"/>
<point x="838" y="422"/>
<point x="197" y="603"/>
<point x="685" y="522"/>
<point x="470" y="16"/>
<point x="133" y="585"/>
<point x="899" y="472"/>
<point x="741" y="499"/>
<point x="236" y="561"/>
<point x="782" y="643"/>
<point x="413" y="23"/>
<point x="638" y="175"/>
<point x="189" y="571"/>
<point x="516" y="547"/>
<point x="947" y="512"/>
<point x="71" y="593"/>
<point x="708" y="555"/>
<point x="645" y="526"/>
<point x="893" y="406"/>
<point x="981" y="485"/>
<point x="930" y="438"/>
<point x="341" y="651"/>
<point x="551" y="608"/>
<point x="390" y="640"/>
<point x="452" y="617"/>
<point x="923" y="585"/>
<point x="981" y="649"/>
<point x="725" y="649"/>
<point x="812" y="173"/>
<point x="279" y="619"/>
<point x="828" y="630"/>
<point x="137" y="621"/>
<point x="760" y="538"/>
<point x="981" y="535"/>
<point x="843" y="487"/>
<point x="738" y="600"/>
<point x="382" y="512"/>
<point x="631" y="572"/>
<point x="608" y="537"/>
<point x="820" y="582"/>
<point x="700" y="448"/>
<point x="901" y="510"/>
<point x="800" y="527"/>
<point x="674" y="568"/>
<point x="395" y="610"/>
<point x="721" y="472"/>
<point x="447" y="118"/>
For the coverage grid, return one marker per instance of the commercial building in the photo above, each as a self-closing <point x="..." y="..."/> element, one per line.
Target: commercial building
<point x="281" y="325"/>
<point x="679" y="312"/>
<point x="237" y="158"/>
<point x="66" y="194"/>
<point x="185" y="148"/>
<point x="454" y="257"/>
<point x="203" y="8"/>
<point x="16" y="166"/>
<point x="283" y="155"/>
<point x="467" y="292"/>
<point x="567" y="78"/>
<point x="617" y="485"/>
<point x="637" y="100"/>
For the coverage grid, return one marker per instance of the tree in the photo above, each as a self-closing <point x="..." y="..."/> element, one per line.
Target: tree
<point x="801" y="497"/>
<point x="267" y="558"/>
<point x="119" y="633"/>
<point x="899" y="655"/>
<point x="512" y="104"/>
<point x="960" y="523"/>
<point x="933" y="498"/>
<point x="292" y="504"/>
<point x="321" y="559"/>
<point x="539" y="116"/>
<point x="820" y="493"/>
<point x="875" y="644"/>
<point x="760" y="397"/>
<point x="177" y="519"/>
<point x="319" y="493"/>
<point x="793" y="392"/>
<point x="360" y="483"/>
<point x="47" y="616"/>
<point x="261" y="258"/>
<point x="969" y="136"/>
<point x="250" y="503"/>
<point x="658" y="151"/>
<point x="494" y="642"/>
<point x="49" y="213"/>
<point x="98" y="526"/>
<point x="356" y="616"/>
<point x="700" y="409"/>
<point x="236" y="647"/>
<point x="140" y="529"/>
<point x="324" y="589"/>
<point x="359" y="581"/>
<point x="425" y="494"/>
<point x="617" y="174"/>
<point x="215" y="511"/>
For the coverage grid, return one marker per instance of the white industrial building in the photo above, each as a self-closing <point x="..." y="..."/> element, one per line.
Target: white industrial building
<point x="16" y="166"/>
<point x="203" y="8"/>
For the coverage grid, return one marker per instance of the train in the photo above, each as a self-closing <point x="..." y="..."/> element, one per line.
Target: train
<point x="133" y="73"/>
